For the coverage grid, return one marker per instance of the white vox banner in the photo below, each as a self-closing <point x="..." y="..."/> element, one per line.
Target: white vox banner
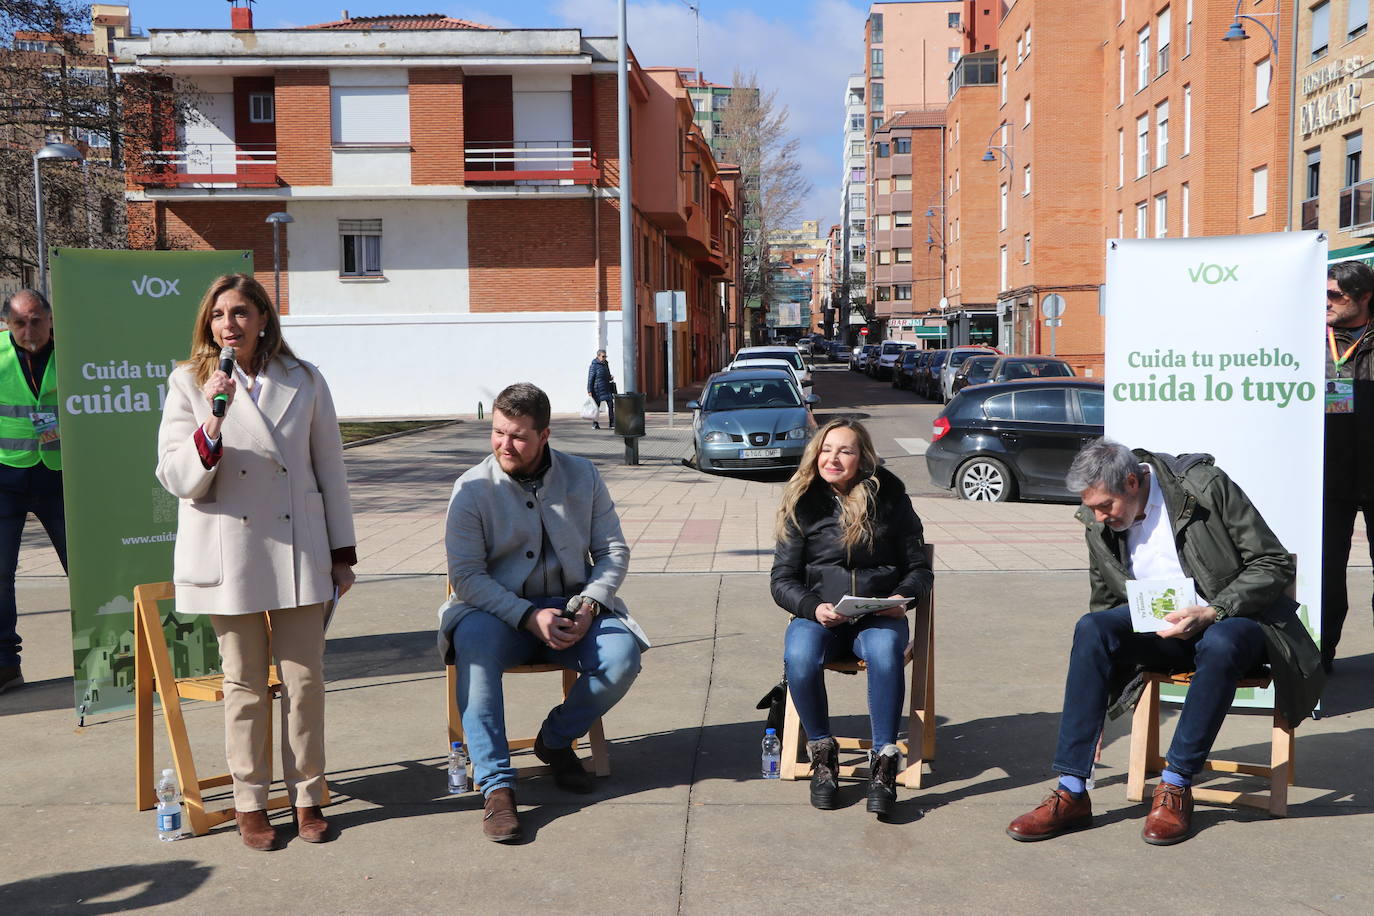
<point x="1215" y="345"/>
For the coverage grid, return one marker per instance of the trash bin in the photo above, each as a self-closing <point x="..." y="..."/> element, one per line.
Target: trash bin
<point x="629" y="414"/>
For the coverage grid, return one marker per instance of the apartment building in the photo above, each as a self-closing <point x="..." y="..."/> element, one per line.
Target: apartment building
<point x="910" y="48"/>
<point x="852" y="250"/>
<point x="452" y="191"/>
<point x="1139" y="122"/>
<point x="969" y="225"/>
<point x="1332" y="190"/>
<point x="905" y="210"/>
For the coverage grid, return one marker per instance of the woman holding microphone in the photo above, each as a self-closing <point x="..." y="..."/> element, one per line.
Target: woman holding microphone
<point x="846" y="527"/>
<point x="264" y="537"/>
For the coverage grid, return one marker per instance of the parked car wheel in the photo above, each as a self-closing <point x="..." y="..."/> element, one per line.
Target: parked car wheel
<point x="985" y="480"/>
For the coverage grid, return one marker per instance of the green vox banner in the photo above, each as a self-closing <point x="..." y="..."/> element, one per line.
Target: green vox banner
<point x="122" y="320"/>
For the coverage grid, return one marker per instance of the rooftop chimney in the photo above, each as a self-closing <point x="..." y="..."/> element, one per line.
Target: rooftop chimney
<point x="241" y="15"/>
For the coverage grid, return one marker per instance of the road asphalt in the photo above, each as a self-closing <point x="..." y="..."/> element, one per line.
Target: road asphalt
<point x="683" y="824"/>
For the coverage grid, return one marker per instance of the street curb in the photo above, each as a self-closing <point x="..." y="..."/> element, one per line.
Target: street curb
<point x="404" y="432"/>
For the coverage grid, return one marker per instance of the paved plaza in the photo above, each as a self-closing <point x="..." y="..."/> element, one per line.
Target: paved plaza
<point x="683" y="824"/>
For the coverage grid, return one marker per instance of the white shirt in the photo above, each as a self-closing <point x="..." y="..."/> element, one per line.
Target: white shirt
<point x="1150" y="549"/>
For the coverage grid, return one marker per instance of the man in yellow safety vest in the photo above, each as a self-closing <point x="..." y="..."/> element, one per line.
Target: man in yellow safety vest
<point x="30" y="454"/>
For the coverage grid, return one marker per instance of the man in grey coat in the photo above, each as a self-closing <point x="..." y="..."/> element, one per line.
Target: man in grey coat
<point x="535" y="557"/>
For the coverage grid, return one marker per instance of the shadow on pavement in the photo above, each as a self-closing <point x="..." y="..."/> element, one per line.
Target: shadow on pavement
<point x="39" y="696"/>
<point x="127" y="887"/>
<point x="1351" y="686"/>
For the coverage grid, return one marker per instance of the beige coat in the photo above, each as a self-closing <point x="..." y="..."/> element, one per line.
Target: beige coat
<point x="254" y="532"/>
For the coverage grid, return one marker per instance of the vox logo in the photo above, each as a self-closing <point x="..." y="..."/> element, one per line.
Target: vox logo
<point x="155" y="287"/>
<point x="1212" y="274"/>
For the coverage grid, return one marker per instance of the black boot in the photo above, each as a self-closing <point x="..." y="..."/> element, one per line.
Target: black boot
<point x="825" y="770"/>
<point x="882" y="779"/>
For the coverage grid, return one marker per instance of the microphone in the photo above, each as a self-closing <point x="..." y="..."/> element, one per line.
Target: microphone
<point x="226" y="365"/>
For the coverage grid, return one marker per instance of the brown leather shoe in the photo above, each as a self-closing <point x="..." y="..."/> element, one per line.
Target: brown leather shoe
<point x="1059" y="813"/>
<point x="311" y="825"/>
<point x="256" y="831"/>
<point x="1171" y="816"/>
<point x="500" y="823"/>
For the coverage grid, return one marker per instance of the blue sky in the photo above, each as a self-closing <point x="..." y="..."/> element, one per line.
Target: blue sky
<point x="805" y="49"/>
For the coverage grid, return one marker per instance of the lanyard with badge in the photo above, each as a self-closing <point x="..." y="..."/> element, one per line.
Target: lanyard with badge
<point x="1340" y="392"/>
<point x="44" y="421"/>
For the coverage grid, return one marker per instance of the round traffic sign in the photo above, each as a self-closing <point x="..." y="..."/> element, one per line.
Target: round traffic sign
<point x="863" y="332"/>
<point x="1052" y="306"/>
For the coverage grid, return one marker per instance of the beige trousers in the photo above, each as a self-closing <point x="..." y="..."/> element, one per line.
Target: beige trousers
<point x="296" y="641"/>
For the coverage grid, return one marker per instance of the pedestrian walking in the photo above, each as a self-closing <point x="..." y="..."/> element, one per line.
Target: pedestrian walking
<point x="601" y="389"/>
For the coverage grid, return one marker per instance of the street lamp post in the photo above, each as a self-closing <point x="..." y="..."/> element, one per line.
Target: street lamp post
<point x="278" y="219"/>
<point x="65" y="152"/>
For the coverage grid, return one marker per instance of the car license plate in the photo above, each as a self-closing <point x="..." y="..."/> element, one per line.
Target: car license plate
<point x="760" y="453"/>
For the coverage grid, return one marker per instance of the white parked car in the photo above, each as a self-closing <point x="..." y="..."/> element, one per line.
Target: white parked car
<point x="792" y="355"/>
<point x="745" y="363"/>
<point x="888" y="354"/>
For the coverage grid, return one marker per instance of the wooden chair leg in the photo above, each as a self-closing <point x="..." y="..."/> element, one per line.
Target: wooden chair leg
<point x="918" y="711"/>
<point x="1280" y="766"/>
<point x="1144" y="740"/>
<point x="145" y="798"/>
<point x="791" y="744"/>
<point x="455" y="720"/>
<point x="928" y="711"/>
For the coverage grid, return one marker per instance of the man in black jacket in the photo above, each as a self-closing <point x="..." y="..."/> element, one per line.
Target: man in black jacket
<point x="1349" y="465"/>
<point x="1157" y="517"/>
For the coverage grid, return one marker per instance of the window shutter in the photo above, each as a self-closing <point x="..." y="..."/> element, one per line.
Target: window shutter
<point x="371" y="114"/>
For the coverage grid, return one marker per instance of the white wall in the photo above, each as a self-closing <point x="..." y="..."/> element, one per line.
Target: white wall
<point x="382" y="366"/>
<point x="424" y="258"/>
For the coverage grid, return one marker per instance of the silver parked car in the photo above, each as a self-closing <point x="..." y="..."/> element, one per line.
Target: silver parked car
<point x="751" y="420"/>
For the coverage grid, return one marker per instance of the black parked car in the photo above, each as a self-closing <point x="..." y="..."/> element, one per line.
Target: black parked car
<point x="974" y="371"/>
<point x="908" y="365"/>
<point x="1015" y="368"/>
<point x="997" y="441"/>
<point x="928" y="379"/>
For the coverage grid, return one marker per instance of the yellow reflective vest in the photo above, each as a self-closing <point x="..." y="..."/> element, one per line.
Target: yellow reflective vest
<point x="19" y="439"/>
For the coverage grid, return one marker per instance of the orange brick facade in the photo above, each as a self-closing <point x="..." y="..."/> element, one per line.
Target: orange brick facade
<point x="1090" y="143"/>
<point x="436" y="126"/>
<point x="303" y="127"/>
<point x="541" y="255"/>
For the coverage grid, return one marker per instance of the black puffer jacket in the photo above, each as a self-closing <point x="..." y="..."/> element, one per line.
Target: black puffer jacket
<point x="812" y="566"/>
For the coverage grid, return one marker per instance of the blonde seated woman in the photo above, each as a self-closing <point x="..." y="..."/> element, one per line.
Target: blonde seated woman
<point x="846" y="527"/>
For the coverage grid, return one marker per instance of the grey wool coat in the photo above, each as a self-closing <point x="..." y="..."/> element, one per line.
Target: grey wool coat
<point x="495" y="530"/>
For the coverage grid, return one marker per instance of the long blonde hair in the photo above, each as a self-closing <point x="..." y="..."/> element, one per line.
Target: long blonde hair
<point x="856" y="506"/>
<point x="204" y="358"/>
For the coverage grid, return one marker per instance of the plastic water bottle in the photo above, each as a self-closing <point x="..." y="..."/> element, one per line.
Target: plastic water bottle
<point x="772" y="754"/>
<point x="457" y="769"/>
<point x="168" y="808"/>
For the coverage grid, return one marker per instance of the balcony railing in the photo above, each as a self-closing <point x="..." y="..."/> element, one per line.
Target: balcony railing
<point x="508" y="161"/>
<point x="1309" y="213"/>
<point x="1357" y="205"/>
<point x="234" y="165"/>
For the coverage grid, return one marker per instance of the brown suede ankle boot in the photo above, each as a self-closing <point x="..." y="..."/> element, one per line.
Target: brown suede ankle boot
<point x="256" y="831"/>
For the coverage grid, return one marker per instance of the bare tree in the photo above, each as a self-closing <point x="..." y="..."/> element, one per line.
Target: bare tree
<point x="755" y="129"/>
<point x="55" y="86"/>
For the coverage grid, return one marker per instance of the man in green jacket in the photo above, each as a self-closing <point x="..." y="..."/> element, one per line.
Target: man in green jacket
<point x="30" y="454"/>
<point x="1152" y="517"/>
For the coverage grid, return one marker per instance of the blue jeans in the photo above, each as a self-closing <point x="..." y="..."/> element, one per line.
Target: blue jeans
<point x="879" y="641"/>
<point x="607" y="658"/>
<point x="23" y="490"/>
<point x="1221" y="655"/>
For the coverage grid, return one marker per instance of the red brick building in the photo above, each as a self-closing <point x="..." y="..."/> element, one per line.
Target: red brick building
<point x="452" y="190"/>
